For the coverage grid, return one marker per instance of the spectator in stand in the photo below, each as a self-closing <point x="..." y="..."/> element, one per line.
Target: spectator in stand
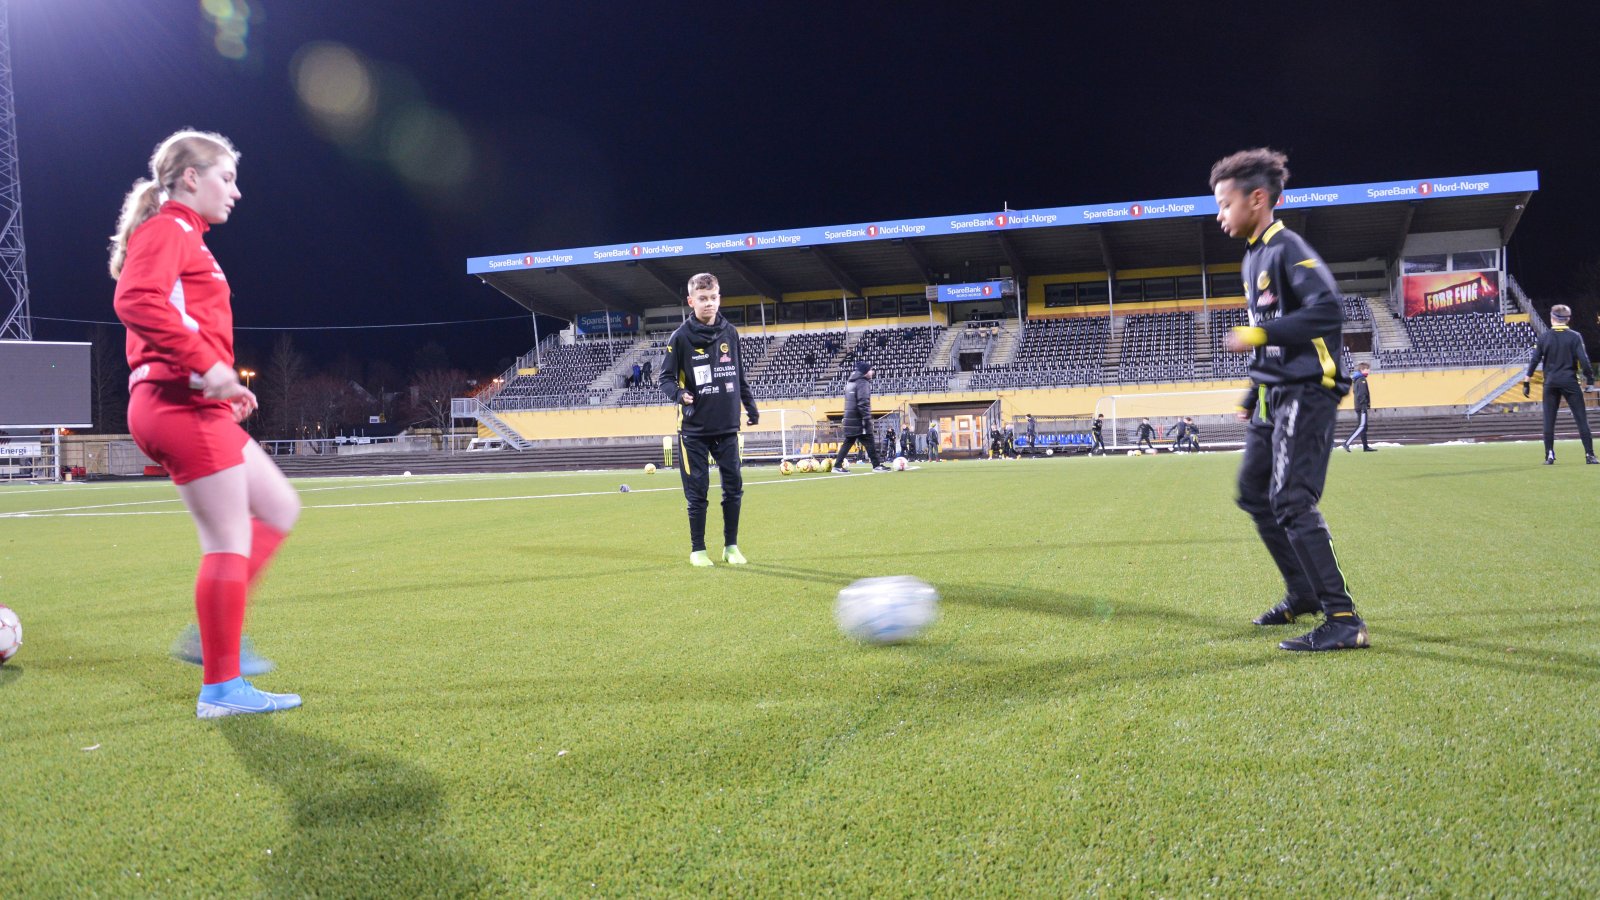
<point x="646" y="373"/>
<point x="638" y="375"/>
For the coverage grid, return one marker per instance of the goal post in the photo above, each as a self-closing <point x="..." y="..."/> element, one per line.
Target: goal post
<point x="783" y="433"/>
<point x="1123" y="411"/>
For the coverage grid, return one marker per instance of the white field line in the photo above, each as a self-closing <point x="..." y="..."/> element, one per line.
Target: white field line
<point x="81" y="512"/>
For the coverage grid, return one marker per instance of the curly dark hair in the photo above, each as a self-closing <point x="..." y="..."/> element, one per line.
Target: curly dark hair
<point x="1262" y="167"/>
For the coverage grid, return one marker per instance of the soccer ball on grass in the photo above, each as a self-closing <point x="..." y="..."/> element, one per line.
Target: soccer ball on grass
<point x="649" y="468"/>
<point x="900" y="463"/>
<point x="10" y="633"/>
<point x="786" y="468"/>
<point x="886" y="610"/>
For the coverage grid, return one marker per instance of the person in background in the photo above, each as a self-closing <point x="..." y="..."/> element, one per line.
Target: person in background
<point x="1363" y="405"/>
<point x="1562" y="352"/>
<point x="858" y="418"/>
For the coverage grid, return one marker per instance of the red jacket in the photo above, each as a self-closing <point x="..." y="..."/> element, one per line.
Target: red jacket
<point x="173" y="297"/>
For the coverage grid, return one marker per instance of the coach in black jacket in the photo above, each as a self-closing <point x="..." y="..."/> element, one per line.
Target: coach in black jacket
<point x="858" y="417"/>
<point x="1563" y="354"/>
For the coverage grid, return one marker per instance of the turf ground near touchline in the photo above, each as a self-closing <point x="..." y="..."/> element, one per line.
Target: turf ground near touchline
<point x="516" y="685"/>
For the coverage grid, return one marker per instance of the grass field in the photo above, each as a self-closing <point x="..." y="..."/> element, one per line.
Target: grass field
<point x="517" y="685"/>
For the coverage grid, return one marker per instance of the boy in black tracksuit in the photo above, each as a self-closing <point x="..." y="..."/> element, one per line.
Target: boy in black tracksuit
<point x="1179" y="432"/>
<point x="1563" y="354"/>
<point x="1099" y="445"/>
<point x="1146" y="432"/>
<point x="704" y="375"/>
<point x="1363" y="405"/>
<point x="1296" y="385"/>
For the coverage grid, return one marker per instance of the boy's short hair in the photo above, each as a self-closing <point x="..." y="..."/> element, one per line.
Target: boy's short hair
<point x="705" y="281"/>
<point x="1561" y="311"/>
<point x="1365" y="367"/>
<point x="1261" y="167"/>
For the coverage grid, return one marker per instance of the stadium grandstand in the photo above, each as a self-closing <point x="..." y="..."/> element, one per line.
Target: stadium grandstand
<point x="976" y="320"/>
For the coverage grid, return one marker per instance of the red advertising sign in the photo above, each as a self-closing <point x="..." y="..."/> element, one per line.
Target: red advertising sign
<point x="1452" y="292"/>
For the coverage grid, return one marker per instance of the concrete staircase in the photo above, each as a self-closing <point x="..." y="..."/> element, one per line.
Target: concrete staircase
<point x="1003" y="348"/>
<point x="1202" y="344"/>
<point x="942" y="357"/>
<point x="1387" y="331"/>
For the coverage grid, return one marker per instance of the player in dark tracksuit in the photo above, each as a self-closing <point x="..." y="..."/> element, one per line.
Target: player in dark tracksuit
<point x="704" y="375"/>
<point x="1363" y="405"/>
<point x="1146" y="432"/>
<point x="1095" y="427"/>
<point x="1179" y="432"/>
<point x="1563" y="354"/>
<point x="858" y="418"/>
<point x="1296" y="385"/>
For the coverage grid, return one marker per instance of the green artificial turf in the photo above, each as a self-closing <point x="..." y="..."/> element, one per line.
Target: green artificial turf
<point x="531" y="692"/>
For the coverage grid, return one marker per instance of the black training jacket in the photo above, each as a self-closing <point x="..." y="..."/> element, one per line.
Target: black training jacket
<point x="1293" y="300"/>
<point x="858" y="406"/>
<point x="1563" y="354"/>
<point x="704" y="360"/>
<point x="1363" y="394"/>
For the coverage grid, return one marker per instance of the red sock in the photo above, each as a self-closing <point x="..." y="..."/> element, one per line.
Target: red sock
<point x="219" y="595"/>
<point x="264" y="541"/>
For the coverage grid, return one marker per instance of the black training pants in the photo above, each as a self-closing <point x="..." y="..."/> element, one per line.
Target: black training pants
<point x="698" y="451"/>
<point x="1360" y="432"/>
<point x="1552" y="401"/>
<point x="866" y="443"/>
<point x="1280" y="481"/>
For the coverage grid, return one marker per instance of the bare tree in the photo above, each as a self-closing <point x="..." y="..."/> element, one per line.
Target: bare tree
<point x="326" y="402"/>
<point x="431" y="393"/>
<point x="108" y="381"/>
<point x="279" y="387"/>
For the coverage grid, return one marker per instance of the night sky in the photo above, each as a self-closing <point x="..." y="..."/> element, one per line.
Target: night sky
<point x="548" y="125"/>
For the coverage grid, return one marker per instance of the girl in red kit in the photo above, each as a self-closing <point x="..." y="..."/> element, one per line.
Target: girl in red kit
<point x="185" y="401"/>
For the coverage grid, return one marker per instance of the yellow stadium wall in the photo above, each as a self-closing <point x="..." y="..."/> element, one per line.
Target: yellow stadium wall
<point x="1390" y="390"/>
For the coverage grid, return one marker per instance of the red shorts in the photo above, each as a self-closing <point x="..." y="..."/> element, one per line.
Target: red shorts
<point x="190" y="436"/>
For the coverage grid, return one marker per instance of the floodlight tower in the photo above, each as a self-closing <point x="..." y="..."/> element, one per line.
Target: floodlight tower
<point x="16" y="324"/>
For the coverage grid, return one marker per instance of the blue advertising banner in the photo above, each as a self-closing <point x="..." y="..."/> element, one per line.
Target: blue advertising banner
<point x="1338" y="195"/>
<point x="977" y="290"/>
<point x="595" y="322"/>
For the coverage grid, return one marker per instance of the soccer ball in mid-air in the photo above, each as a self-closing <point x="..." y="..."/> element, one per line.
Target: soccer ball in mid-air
<point x="649" y="468"/>
<point x="807" y="464"/>
<point x="886" y="610"/>
<point x="786" y="468"/>
<point x="10" y="633"/>
<point x="900" y="464"/>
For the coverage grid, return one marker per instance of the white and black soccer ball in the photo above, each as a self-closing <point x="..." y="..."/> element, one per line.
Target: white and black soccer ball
<point x="886" y="610"/>
<point x="10" y="633"/>
<point x="1050" y="452"/>
<point x="900" y="463"/>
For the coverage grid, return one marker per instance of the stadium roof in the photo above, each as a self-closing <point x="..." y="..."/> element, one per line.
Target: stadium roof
<point x="1345" y="223"/>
